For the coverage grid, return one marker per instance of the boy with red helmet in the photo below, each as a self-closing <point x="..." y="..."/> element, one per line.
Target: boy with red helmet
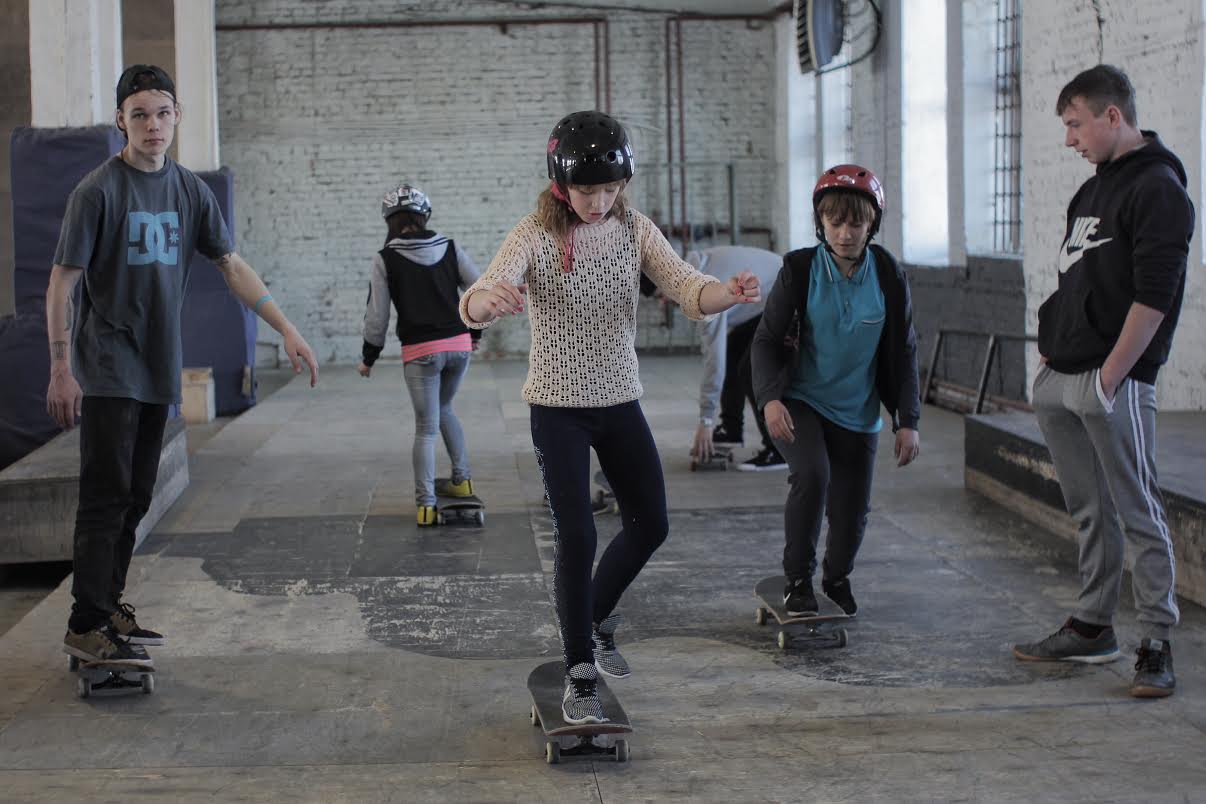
<point x="579" y="259"/>
<point x="835" y="343"/>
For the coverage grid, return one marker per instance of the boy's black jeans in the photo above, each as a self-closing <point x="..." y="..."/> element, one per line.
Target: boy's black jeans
<point x="120" y="443"/>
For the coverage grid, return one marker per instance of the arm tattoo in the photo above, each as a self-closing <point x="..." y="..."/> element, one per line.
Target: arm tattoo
<point x="69" y="316"/>
<point x="224" y="261"/>
<point x="58" y="350"/>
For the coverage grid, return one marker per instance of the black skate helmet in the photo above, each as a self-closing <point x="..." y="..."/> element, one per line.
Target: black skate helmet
<point x="405" y="198"/>
<point x="589" y="148"/>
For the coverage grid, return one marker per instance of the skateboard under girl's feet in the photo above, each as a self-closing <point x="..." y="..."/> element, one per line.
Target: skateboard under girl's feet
<point x="459" y="509"/>
<point x="547" y="685"/>
<point x="815" y="629"/>
<point x="104" y="677"/>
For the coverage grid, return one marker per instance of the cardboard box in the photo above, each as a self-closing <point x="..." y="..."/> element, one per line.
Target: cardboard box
<point x="197" y="395"/>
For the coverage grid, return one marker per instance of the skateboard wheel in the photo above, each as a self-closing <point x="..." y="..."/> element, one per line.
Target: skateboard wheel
<point x="782" y="640"/>
<point x="842" y="638"/>
<point x="760" y="616"/>
<point x="73" y="663"/>
<point x="693" y="466"/>
<point x="621" y="750"/>
<point x="480" y="516"/>
<point x="440" y="520"/>
<point x="552" y="752"/>
<point x="148" y="683"/>
<point x="83" y="687"/>
<point x="534" y="717"/>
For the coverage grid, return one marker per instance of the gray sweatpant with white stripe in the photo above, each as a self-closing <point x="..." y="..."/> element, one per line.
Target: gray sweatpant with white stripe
<point x="1104" y="457"/>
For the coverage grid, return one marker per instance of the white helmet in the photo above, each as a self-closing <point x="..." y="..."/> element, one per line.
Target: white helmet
<point x="405" y="198"/>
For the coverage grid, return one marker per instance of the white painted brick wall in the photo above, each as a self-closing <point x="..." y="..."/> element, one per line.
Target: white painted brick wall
<point x="317" y="123"/>
<point x="1160" y="47"/>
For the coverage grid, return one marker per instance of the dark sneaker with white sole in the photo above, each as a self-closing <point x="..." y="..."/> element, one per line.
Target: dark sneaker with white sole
<point x="103" y="645"/>
<point x="1153" y="670"/>
<point x="607" y="658"/>
<point x="839" y="592"/>
<point x="580" y="703"/>
<point x="1069" y="645"/>
<point x="721" y="437"/>
<point x="127" y="627"/>
<point x="799" y="599"/>
<point x="768" y="460"/>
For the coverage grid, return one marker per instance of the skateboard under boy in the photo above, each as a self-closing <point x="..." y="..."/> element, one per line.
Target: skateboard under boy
<point x="817" y="629"/>
<point x="547" y="685"/>
<point x="93" y="677"/>
<point x="459" y="509"/>
<point x="721" y="460"/>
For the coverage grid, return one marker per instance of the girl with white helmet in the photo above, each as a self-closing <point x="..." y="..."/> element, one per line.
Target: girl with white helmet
<point x="422" y="273"/>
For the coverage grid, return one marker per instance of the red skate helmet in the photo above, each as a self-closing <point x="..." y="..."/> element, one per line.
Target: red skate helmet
<point x="850" y="177"/>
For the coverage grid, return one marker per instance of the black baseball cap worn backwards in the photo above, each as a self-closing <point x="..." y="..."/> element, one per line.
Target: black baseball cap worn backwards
<point x="140" y="77"/>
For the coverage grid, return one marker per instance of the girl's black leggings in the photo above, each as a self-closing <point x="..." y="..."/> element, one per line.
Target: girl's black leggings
<point x="620" y="437"/>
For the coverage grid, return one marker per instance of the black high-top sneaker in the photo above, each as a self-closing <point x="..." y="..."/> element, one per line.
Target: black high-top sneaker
<point x="607" y="658"/>
<point x="798" y="598"/>
<point x="580" y="703"/>
<point x="1154" y="670"/>
<point x="721" y="437"/>
<point x="839" y="592"/>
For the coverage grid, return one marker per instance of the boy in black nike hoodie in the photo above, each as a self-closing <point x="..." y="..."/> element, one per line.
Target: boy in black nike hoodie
<point x="1103" y="336"/>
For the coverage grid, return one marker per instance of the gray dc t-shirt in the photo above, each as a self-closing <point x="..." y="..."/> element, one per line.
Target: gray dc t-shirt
<point x="134" y="234"/>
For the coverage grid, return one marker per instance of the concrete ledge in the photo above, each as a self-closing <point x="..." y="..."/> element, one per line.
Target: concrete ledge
<point x="39" y="494"/>
<point x="1006" y="460"/>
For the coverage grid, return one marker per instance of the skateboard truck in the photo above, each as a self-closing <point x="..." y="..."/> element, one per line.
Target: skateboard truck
<point x="102" y="677"/>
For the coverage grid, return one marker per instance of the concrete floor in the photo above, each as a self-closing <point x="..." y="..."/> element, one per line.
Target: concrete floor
<point x="322" y="648"/>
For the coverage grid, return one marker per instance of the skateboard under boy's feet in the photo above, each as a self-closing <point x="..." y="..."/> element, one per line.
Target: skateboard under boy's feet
<point x="604" y="499"/>
<point x="459" y="509"/>
<point x="105" y="677"/>
<point x="547" y="685"/>
<point x="814" y="629"/>
<point x="721" y="460"/>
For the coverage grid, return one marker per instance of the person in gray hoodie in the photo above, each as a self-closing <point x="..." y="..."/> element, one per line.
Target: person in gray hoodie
<point x="725" y="341"/>
<point x="422" y="273"/>
<point x="1103" y="335"/>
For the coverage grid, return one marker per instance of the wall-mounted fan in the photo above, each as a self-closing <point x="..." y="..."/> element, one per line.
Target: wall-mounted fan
<point x="823" y="26"/>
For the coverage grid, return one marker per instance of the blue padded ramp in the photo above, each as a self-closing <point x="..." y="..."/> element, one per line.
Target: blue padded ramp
<point x="217" y="330"/>
<point x="25" y="364"/>
<point x="47" y="164"/>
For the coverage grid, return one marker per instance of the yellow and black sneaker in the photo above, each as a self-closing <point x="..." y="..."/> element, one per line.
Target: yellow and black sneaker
<point x="426" y="516"/>
<point x="446" y="488"/>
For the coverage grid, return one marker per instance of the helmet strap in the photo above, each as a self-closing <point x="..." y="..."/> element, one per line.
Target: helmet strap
<point x="558" y="193"/>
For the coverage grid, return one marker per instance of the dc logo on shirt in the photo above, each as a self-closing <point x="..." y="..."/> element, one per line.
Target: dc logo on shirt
<point x="154" y="238"/>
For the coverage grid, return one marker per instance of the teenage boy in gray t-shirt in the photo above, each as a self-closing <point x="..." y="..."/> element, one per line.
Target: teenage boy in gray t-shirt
<point x="130" y="230"/>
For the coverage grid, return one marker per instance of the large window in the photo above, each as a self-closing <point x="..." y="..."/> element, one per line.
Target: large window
<point x="837" y="112"/>
<point x="925" y="207"/>
<point x="1007" y="131"/>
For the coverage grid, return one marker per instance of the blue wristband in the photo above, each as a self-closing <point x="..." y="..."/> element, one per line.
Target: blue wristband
<point x="267" y="297"/>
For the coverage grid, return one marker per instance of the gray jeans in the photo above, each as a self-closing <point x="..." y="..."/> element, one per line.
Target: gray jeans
<point x="1104" y="457"/>
<point x="432" y="381"/>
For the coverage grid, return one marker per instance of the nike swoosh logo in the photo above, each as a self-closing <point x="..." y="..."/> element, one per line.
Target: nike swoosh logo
<point x="1068" y="259"/>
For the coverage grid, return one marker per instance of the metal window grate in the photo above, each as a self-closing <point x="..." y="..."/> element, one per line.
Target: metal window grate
<point x="1007" y="131"/>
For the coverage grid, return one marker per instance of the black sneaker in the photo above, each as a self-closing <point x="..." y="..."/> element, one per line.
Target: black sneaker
<point x="722" y="437"/>
<point x="798" y="598"/>
<point x="1068" y="645"/>
<point x="580" y="703"/>
<point x="768" y="460"/>
<point x="124" y="624"/>
<point x="1154" y="670"/>
<point x="607" y="657"/>
<point x="839" y="592"/>
<point x="103" y="646"/>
